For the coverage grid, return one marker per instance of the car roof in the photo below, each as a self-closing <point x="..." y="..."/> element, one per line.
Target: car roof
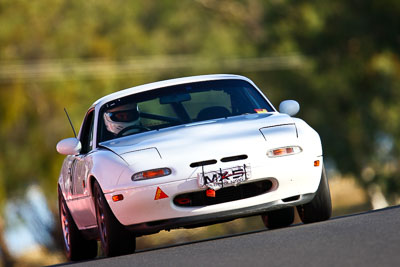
<point x="166" y="83"/>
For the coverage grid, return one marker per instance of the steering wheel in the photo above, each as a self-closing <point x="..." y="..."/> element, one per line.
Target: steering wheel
<point x="140" y="127"/>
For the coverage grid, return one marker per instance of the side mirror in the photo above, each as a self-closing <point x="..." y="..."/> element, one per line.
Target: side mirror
<point x="69" y="146"/>
<point x="290" y="107"/>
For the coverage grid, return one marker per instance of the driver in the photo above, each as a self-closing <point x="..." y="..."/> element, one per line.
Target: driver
<point x="118" y="118"/>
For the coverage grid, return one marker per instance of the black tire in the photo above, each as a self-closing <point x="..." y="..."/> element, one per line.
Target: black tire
<point x="278" y="218"/>
<point x="115" y="239"/>
<point x="76" y="246"/>
<point x="320" y="208"/>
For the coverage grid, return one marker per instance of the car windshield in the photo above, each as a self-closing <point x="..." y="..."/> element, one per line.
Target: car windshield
<point x="179" y="104"/>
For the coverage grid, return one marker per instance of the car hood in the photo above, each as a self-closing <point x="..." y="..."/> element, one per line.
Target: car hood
<point x="202" y="140"/>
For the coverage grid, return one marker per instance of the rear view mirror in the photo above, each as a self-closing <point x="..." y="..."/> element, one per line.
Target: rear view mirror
<point x="290" y="107"/>
<point x="69" y="146"/>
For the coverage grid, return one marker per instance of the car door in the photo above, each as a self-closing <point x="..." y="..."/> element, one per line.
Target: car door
<point x="80" y="168"/>
<point x="83" y="162"/>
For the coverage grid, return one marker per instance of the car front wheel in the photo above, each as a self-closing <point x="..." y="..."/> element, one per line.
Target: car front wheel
<point x="114" y="237"/>
<point x="320" y="208"/>
<point x="76" y="246"/>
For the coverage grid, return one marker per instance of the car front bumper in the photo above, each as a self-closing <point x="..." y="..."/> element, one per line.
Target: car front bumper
<point x="222" y="216"/>
<point x="144" y="212"/>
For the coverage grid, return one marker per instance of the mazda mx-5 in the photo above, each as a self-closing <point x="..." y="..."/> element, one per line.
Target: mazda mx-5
<point x="185" y="153"/>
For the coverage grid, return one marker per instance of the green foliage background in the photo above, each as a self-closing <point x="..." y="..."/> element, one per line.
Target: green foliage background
<point x="339" y="59"/>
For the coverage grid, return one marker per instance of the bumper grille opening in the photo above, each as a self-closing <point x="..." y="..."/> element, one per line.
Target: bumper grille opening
<point x="203" y="163"/>
<point x="199" y="198"/>
<point x="290" y="199"/>
<point x="234" y="158"/>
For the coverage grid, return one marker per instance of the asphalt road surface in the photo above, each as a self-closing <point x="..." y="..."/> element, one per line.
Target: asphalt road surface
<point x="366" y="239"/>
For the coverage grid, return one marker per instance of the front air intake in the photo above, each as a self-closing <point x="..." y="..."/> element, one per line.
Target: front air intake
<point x="227" y="194"/>
<point x="234" y="158"/>
<point x="203" y="163"/>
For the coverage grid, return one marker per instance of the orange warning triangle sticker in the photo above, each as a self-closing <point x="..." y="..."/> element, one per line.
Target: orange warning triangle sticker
<point x="160" y="194"/>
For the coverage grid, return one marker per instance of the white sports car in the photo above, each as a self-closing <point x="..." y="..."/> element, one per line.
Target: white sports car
<point x="186" y="152"/>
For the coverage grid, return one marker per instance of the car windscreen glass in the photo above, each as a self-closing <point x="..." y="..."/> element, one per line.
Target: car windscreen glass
<point x="179" y="104"/>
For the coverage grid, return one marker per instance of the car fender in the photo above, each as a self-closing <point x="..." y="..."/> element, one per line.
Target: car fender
<point x="107" y="168"/>
<point x="308" y="137"/>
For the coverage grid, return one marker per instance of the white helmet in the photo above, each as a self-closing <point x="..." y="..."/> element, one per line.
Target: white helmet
<point x="118" y="118"/>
